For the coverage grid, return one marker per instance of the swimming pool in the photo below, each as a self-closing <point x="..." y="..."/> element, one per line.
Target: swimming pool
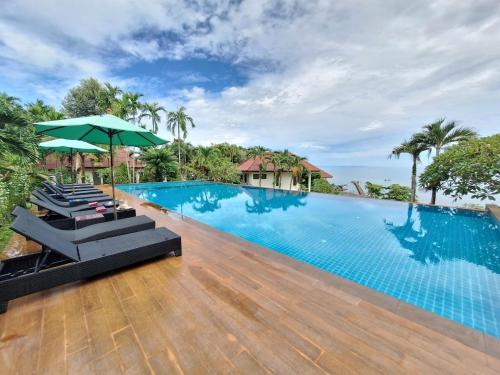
<point x="443" y="260"/>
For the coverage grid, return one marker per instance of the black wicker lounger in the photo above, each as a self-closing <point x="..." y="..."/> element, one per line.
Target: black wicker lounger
<point x="77" y="190"/>
<point x="73" y="203"/>
<point x="52" y="190"/>
<point x="86" y="190"/>
<point x="70" y="212"/>
<point x="70" y="190"/>
<point x="25" y="222"/>
<point x="62" y="262"/>
<point x="75" y="185"/>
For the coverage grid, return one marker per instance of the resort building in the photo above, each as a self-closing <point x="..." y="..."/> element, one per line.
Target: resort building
<point x="251" y="167"/>
<point x="92" y="164"/>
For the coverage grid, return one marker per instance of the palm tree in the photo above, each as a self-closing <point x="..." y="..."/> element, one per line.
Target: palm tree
<point x="285" y="161"/>
<point x="39" y="111"/>
<point x="202" y="158"/>
<point x="109" y="95"/>
<point x="297" y="168"/>
<point x="275" y="160"/>
<point x="159" y="162"/>
<point x="15" y="134"/>
<point x="152" y="111"/>
<point x="127" y="107"/>
<point x="177" y="122"/>
<point x="414" y="147"/>
<point x="438" y="135"/>
<point x="261" y="153"/>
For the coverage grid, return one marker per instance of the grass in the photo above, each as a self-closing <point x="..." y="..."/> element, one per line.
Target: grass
<point x="5" y="235"/>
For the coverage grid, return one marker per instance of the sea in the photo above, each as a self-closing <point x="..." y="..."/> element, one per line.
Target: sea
<point x="344" y="175"/>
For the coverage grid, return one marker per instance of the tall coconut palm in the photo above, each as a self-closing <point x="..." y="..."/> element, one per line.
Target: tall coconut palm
<point x="152" y="111"/>
<point x="109" y="95"/>
<point x="261" y="153"/>
<point x="297" y="168"/>
<point x="414" y="147"/>
<point x="178" y="122"/>
<point x="275" y="159"/>
<point x="439" y="135"/>
<point x="286" y="162"/>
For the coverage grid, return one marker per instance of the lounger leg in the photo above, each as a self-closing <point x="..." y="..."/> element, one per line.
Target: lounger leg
<point x="3" y="306"/>
<point x="178" y="253"/>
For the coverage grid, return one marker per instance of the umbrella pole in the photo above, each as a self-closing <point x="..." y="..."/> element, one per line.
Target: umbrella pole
<point x="71" y="169"/>
<point x="112" y="173"/>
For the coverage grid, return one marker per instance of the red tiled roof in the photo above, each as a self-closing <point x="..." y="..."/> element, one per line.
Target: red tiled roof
<point x="252" y="165"/>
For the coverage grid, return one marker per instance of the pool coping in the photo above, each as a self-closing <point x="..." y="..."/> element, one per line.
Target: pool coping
<point x="468" y="336"/>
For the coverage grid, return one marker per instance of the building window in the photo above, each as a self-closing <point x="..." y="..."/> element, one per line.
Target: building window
<point x="262" y="176"/>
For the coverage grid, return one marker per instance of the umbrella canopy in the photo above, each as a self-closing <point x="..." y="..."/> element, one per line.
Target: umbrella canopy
<point x="69" y="146"/>
<point x="99" y="129"/>
<point x="102" y="129"/>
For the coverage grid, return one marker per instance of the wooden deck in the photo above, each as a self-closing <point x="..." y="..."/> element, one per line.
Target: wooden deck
<point x="228" y="307"/>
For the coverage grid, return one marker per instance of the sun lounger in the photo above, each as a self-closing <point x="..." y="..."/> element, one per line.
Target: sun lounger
<point x="62" y="261"/>
<point x="81" y="203"/>
<point x="56" y="189"/>
<point x="25" y="223"/>
<point x="71" y="188"/>
<point x="75" y="185"/>
<point x="78" y="195"/>
<point x="71" y="212"/>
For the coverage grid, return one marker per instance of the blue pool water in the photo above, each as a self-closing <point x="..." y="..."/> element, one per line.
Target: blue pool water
<point x="443" y="260"/>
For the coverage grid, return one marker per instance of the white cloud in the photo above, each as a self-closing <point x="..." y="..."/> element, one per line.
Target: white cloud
<point x="372" y="126"/>
<point x="319" y="72"/>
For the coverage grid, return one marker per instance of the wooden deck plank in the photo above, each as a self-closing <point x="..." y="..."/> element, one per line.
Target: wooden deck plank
<point x="229" y="307"/>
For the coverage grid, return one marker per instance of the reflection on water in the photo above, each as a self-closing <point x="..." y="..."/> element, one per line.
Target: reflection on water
<point x="435" y="238"/>
<point x="443" y="260"/>
<point x="265" y="200"/>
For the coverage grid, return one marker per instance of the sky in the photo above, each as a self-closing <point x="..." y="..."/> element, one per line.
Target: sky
<point x="340" y="82"/>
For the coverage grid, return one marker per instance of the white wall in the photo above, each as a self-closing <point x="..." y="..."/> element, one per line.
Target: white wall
<point x="268" y="181"/>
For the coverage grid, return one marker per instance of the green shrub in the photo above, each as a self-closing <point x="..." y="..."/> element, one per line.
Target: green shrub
<point x="321" y="185"/>
<point x="224" y="171"/>
<point x="375" y="190"/>
<point x="398" y="192"/>
<point x="394" y="191"/>
<point x="121" y="176"/>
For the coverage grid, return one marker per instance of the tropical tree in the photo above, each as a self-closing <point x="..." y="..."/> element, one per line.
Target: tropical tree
<point x="84" y="99"/>
<point x="285" y="162"/>
<point x="439" y="135"/>
<point x="234" y="153"/>
<point x="133" y="105"/>
<point x="39" y="111"/>
<point x="204" y="158"/>
<point x="159" y="163"/>
<point x="178" y="122"/>
<point x="414" y="147"/>
<point x="297" y="168"/>
<point x="16" y="133"/>
<point x="127" y="107"/>
<point x="275" y="159"/>
<point x="262" y="154"/>
<point x="470" y="167"/>
<point x="109" y="95"/>
<point x="152" y="111"/>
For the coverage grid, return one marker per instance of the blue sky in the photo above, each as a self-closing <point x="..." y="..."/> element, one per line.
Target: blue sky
<point x="340" y="82"/>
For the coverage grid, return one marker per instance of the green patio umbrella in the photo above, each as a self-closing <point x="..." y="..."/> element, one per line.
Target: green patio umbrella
<point x="101" y="129"/>
<point x="69" y="146"/>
